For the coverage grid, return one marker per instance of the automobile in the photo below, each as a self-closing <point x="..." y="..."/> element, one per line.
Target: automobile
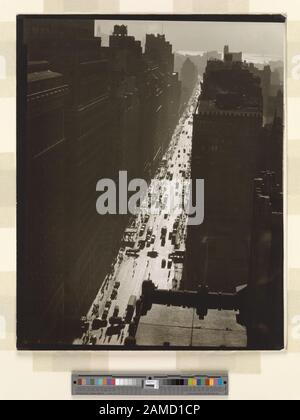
<point x="116" y="311"/>
<point x="117" y="284"/>
<point x="108" y="304"/>
<point x="104" y="314"/>
<point x="173" y="238"/>
<point x="148" y="244"/>
<point x="163" y="242"/>
<point x="132" y="252"/>
<point x="113" y="294"/>
<point x="93" y="340"/>
<point x="114" y="329"/>
<point x="142" y="244"/>
<point x="116" y="320"/>
<point x="84" y="324"/>
<point x="95" y="310"/>
<point x="169" y="264"/>
<point x="177" y="256"/>
<point x="130" y="308"/>
<point x="152" y="240"/>
<point x="174" y="283"/>
<point x="163" y="263"/>
<point x="98" y="323"/>
<point x="152" y="254"/>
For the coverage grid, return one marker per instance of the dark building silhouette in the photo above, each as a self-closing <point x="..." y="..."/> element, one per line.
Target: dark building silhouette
<point x="41" y="293"/>
<point x="239" y="247"/>
<point x="188" y="77"/>
<point x="230" y="56"/>
<point x="91" y="112"/>
<point x="226" y="129"/>
<point x="158" y="50"/>
<point x="241" y="240"/>
<point x="265" y="317"/>
<point x="271" y="81"/>
<point x="160" y="92"/>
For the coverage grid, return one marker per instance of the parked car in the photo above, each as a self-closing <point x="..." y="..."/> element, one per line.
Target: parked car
<point x="132" y="253"/>
<point x="105" y="314"/>
<point x="130" y="308"/>
<point x="98" y="323"/>
<point x="141" y="244"/>
<point x="163" y="263"/>
<point x="169" y="264"/>
<point x="116" y="311"/>
<point x="116" y="320"/>
<point x="95" y="310"/>
<point x="113" y="294"/>
<point x="152" y="254"/>
<point x="142" y="230"/>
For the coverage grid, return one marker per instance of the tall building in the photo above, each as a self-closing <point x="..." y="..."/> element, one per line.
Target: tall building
<point x="188" y="77"/>
<point x="160" y="92"/>
<point x="87" y="242"/>
<point x="91" y="112"/>
<point x="125" y="61"/>
<point x="230" y="56"/>
<point x="265" y="282"/>
<point x="42" y="160"/>
<point x="159" y="50"/>
<point x="226" y="129"/>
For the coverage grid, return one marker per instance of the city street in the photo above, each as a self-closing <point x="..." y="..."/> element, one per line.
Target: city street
<point x="159" y="234"/>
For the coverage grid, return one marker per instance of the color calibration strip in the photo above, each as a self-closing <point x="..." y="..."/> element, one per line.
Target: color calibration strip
<point x="108" y="381"/>
<point x="204" y="381"/>
<point x="95" y="384"/>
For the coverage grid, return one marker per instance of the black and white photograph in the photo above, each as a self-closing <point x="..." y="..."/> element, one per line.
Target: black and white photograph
<point x="150" y="171"/>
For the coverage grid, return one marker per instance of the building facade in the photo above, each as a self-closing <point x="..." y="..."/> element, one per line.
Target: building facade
<point x="225" y="145"/>
<point x="91" y="112"/>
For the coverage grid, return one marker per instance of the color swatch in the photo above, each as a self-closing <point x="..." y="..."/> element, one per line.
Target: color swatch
<point x="112" y="381"/>
<point x="201" y="384"/>
<point x="108" y="381"/>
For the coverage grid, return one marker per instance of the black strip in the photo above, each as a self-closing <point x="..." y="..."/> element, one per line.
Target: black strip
<point x="263" y="18"/>
<point x="20" y="170"/>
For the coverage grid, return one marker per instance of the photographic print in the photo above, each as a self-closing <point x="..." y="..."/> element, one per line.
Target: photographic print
<point x="150" y="182"/>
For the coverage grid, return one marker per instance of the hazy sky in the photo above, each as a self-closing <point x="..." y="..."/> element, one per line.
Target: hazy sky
<point x="255" y="38"/>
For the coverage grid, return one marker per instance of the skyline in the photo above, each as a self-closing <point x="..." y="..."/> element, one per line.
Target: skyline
<point x="241" y="36"/>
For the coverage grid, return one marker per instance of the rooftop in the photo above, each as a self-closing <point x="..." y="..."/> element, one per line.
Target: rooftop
<point x="210" y="107"/>
<point x="182" y="327"/>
